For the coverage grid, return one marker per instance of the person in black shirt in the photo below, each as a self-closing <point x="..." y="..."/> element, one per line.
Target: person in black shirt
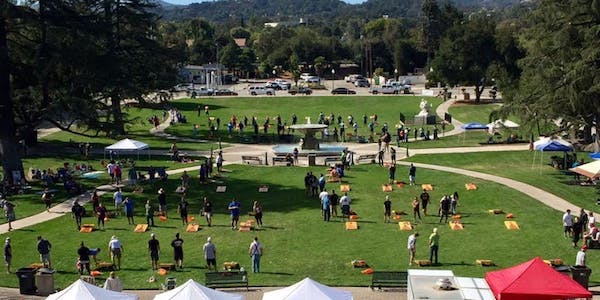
<point x="177" y="245"/>
<point x="182" y="208"/>
<point x="78" y="212"/>
<point x="207" y="211"/>
<point x="424" y="201"/>
<point x="84" y="259"/>
<point x="154" y="249"/>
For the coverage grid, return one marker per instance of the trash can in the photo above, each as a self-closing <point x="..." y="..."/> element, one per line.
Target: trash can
<point x="312" y="159"/>
<point x="26" y="281"/>
<point x="45" y="281"/>
<point x="581" y="274"/>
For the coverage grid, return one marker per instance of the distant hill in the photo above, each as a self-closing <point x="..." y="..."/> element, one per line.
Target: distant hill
<point x="284" y="10"/>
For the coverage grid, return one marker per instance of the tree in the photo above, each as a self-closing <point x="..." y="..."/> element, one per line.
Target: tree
<point x="431" y="29"/>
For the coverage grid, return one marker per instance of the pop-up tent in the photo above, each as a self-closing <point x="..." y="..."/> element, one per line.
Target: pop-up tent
<point x="192" y="290"/>
<point x="595" y="156"/>
<point x="472" y="126"/>
<point x="499" y="124"/>
<point x="590" y="170"/>
<point x="308" y="289"/>
<point x="127" y="145"/>
<point x="534" y="280"/>
<point x="545" y="144"/>
<point x="81" y="290"/>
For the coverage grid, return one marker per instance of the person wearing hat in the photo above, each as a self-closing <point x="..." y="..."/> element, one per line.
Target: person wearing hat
<point x="116" y="250"/>
<point x="210" y="253"/>
<point x="434" y="243"/>
<point x="154" y="249"/>
<point x="580" y="259"/>
<point x="7" y="254"/>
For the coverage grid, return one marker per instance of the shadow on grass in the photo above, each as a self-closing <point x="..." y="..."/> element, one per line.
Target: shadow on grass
<point x="277" y="273"/>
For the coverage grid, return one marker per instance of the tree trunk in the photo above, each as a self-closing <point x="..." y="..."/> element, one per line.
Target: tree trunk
<point x="11" y="159"/>
<point x="118" y="124"/>
<point x="478" y="92"/>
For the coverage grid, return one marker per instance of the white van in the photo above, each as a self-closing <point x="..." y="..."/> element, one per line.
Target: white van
<point x="260" y="90"/>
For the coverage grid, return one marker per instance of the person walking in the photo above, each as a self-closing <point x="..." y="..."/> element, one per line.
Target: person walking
<point x="113" y="283"/>
<point x="43" y="248"/>
<point x="78" y="211"/>
<point x="47" y="199"/>
<point x="129" y="205"/>
<point x="412" y="247"/>
<point x="416" y="211"/>
<point x="255" y="251"/>
<point x="84" y="259"/>
<point x="580" y="258"/>
<point x="234" y="210"/>
<point x="258" y="213"/>
<point x="434" y="244"/>
<point x="9" y="212"/>
<point x="207" y="211"/>
<point x="116" y="250"/>
<point x="424" y="201"/>
<point x="101" y="215"/>
<point x="567" y="219"/>
<point x="149" y="213"/>
<point x="210" y="254"/>
<point x="445" y="208"/>
<point x="392" y="172"/>
<point x="118" y="199"/>
<point x="177" y="245"/>
<point x="387" y="209"/>
<point x="154" y="250"/>
<point x="412" y="174"/>
<point x="326" y="207"/>
<point x="7" y="254"/>
<point x="182" y="209"/>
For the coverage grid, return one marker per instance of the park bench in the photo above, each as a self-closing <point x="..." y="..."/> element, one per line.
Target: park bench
<point x="389" y="279"/>
<point x="280" y="159"/>
<point x="226" y="279"/>
<point x="248" y="158"/>
<point x="369" y="157"/>
<point x="330" y="159"/>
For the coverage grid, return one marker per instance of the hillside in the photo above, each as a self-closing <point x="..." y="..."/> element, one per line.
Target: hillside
<point x="283" y="10"/>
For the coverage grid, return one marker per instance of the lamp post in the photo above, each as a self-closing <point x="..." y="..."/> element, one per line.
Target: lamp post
<point x="396" y="74"/>
<point x="332" y="79"/>
<point x="274" y="73"/>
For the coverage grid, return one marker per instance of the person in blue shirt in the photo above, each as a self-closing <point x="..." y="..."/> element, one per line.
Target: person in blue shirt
<point x="129" y="210"/>
<point x="326" y="208"/>
<point x="234" y="210"/>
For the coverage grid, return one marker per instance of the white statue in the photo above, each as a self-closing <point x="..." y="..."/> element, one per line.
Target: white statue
<point x="424" y="106"/>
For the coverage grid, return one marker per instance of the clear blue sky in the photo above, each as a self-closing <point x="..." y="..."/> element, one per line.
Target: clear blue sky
<point x="192" y="1"/>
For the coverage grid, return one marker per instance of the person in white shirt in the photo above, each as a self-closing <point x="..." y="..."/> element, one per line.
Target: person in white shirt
<point x="412" y="247"/>
<point x="113" y="283"/>
<point x="567" y="219"/>
<point x="255" y="251"/>
<point x="111" y="171"/>
<point x="345" y="204"/>
<point x="591" y="219"/>
<point x="116" y="250"/>
<point x="118" y="198"/>
<point x="580" y="259"/>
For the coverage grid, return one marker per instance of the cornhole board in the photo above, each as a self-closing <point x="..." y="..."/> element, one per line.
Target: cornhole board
<point x="87" y="228"/>
<point x="250" y="222"/>
<point x="221" y="189"/>
<point x="263" y="188"/>
<point x="405" y="226"/>
<point x="455" y="225"/>
<point x="344" y="188"/>
<point x="352" y="225"/>
<point x="495" y="211"/>
<point x="423" y="262"/>
<point x="484" y="262"/>
<point x="427" y="187"/>
<point x="162" y="218"/>
<point x="386" y="187"/>
<point x="104" y="266"/>
<point x="510" y="215"/>
<point x="397" y="217"/>
<point x="140" y="228"/>
<point x="162" y="272"/>
<point x="167" y="266"/>
<point x="36" y="266"/>
<point x="511" y="225"/>
<point x="400" y="184"/>
<point x="470" y="186"/>
<point x="456" y="217"/>
<point x="192" y="228"/>
<point x="555" y="262"/>
<point x="245" y="227"/>
<point x="191" y="219"/>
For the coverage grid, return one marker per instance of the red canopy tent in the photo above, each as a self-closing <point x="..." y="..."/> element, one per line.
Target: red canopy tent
<point x="534" y="280"/>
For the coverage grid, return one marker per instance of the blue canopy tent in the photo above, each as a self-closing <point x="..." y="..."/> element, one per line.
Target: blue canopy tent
<point x="472" y="126"/>
<point x="551" y="144"/>
<point x="595" y="156"/>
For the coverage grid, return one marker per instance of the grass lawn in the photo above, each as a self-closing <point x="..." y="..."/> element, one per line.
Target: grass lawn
<point x="470" y="112"/>
<point x="519" y="165"/>
<point x="298" y="243"/>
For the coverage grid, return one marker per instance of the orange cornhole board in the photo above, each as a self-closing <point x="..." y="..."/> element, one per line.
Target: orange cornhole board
<point x="397" y="217"/>
<point x="221" y="189"/>
<point x="162" y="218"/>
<point x="386" y="187"/>
<point x="470" y="186"/>
<point x="423" y="262"/>
<point x="167" y="266"/>
<point x="95" y="273"/>
<point x="405" y="226"/>
<point x="162" y="272"/>
<point x="351" y="225"/>
<point x="192" y="228"/>
<point x="456" y="217"/>
<point x="87" y="228"/>
<point x="400" y="184"/>
<point x="354" y="217"/>
<point x="344" y="188"/>
<point x="36" y="265"/>
<point x="263" y="188"/>
<point x="427" y="187"/>
<point x="510" y="216"/>
<point x="104" y="266"/>
<point x="250" y="222"/>
<point x="245" y="227"/>
<point x="554" y="262"/>
<point x="141" y="228"/>
<point x="511" y="225"/>
<point x="456" y="225"/>
<point x="191" y="218"/>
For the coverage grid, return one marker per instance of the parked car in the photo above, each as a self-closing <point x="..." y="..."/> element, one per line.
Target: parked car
<point x="312" y="79"/>
<point x="285" y="85"/>
<point x="305" y="76"/>
<point x="273" y="85"/>
<point x="200" y="91"/>
<point x="342" y="91"/>
<point x="384" y="89"/>
<point x="300" y="90"/>
<point x="353" y="78"/>
<point x="182" y="87"/>
<point x="363" y="82"/>
<point x="401" y="88"/>
<point x="260" y="90"/>
<point x="225" y="92"/>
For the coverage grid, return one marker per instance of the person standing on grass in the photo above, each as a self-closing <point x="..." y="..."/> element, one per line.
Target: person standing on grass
<point x="210" y="254"/>
<point x="392" y="169"/>
<point x="182" y="209"/>
<point x="345" y="202"/>
<point x="591" y="219"/>
<point x="118" y="199"/>
<point x="47" y="199"/>
<point x="326" y="207"/>
<point x="234" y="210"/>
<point x="162" y="202"/>
<point x="9" y="212"/>
<point x="177" y="245"/>
<point x="207" y="211"/>
<point x="416" y="213"/>
<point x="258" y="213"/>
<point x="334" y="201"/>
<point x="43" y="248"/>
<point x="116" y="250"/>
<point x="567" y="219"/>
<point x="129" y="204"/>
<point x="583" y="221"/>
<point x="7" y="254"/>
<point x="95" y="199"/>
<point x="412" y="247"/>
<point x="576" y="233"/>
<point x="454" y="202"/>
<point x="255" y="251"/>
<point x="78" y="211"/>
<point x="149" y="213"/>
<point x="434" y="244"/>
<point x="445" y="208"/>
<point x="154" y="250"/>
<point x="84" y="259"/>
<point x="101" y="215"/>
<point x="580" y="258"/>
<point x="424" y="201"/>
<point x="387" y="209"/>
<point x="412" y="174"/>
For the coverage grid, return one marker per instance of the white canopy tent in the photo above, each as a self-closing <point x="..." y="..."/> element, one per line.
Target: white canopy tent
<point x="81" y="290"/>
<point x="127" y="145"/>
<point x="308" y="289"/>
<point x="192" y="290"/>
<point x="590" y="170"/>
<point x="499" y="124"/>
